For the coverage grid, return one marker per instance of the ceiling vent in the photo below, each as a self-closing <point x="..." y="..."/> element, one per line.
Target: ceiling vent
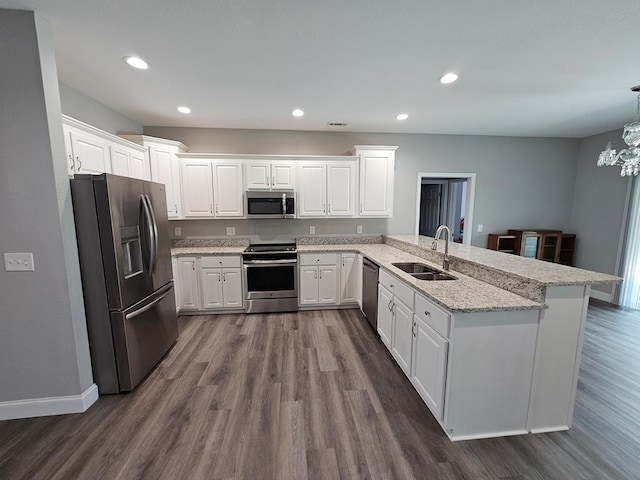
<point x="337" y="124"/>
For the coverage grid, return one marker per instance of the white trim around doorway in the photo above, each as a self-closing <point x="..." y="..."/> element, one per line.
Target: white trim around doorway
<point x="471" y="195"/>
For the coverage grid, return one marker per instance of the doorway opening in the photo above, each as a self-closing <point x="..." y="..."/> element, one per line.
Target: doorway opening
<point x="445" y="199"/>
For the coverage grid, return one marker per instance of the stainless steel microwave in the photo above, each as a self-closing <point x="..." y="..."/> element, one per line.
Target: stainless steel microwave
<point x="271" y="204"/>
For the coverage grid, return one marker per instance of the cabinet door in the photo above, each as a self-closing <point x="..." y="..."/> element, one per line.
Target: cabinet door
<point x="402" y="335"/>
<point x="385" y="317"/>
<point x="71" y="163"/>
<point x="429" y="365"/>
<point x="341" y="187"/>
<point x="189" y="298"/>
<point x="176" y="282"/>
<point x="165" y="169"/>
<point x="91" y="154"/>
<point x="283" y="176"/>
<point x="119" y="160"/>
<point x="138" y="165"/>
<point x="231" y="288"/>
<point x="211" y="279"/>
<point x="312" y="180"/>
<point x="227" y="190"/>
<point x="348" y="279"/>
<point x="328" y="284"/>
<point x="258" y="174"/>
<point x="197" y="188"/>
<point x="308" y="285"/>
<point x="376" y="184"/>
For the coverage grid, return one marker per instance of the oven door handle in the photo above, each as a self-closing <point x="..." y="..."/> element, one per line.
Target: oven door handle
<point x="270" y="262"/>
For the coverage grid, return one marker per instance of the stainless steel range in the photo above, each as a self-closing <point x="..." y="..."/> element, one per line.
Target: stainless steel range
<point x="270" y="277"/>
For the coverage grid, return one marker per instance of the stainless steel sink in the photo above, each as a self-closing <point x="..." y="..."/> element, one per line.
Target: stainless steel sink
<point x="413" y="267"/>
<point x="433" y="276"/>
<point x="422" y="271"/>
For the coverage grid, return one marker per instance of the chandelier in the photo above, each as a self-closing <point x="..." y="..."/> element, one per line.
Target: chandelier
<point x="629" y="158"/>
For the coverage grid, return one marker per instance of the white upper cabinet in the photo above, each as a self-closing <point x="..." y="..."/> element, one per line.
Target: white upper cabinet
<point x="227" y="189"/>
<point x="197" y="188"/>
<point x="91" y="150"/>
<point x="326" y="189"/>
<point x="211" y="188"/>
<point x="341" y="189"/>
<point x="312" y="200"/>
<point x="90" y="153"/>
<point x="164" y="167"/>
<point x="270" y="175"/>
<point x="377" y="164"/>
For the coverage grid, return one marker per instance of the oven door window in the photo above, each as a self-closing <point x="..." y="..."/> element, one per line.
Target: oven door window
<point x="264" y="206"/>
<point x="271" y="278"/>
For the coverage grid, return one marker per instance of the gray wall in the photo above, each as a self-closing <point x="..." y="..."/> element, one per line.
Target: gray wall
<point x="599" y="207"/>
<point x="43" y="342"/>
<point x="81" y="107"/>
<point x="521" y="182"/>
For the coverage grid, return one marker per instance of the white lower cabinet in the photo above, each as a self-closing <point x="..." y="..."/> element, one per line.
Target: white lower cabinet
<point x="209" y="283"/>
<point x="401" y="343"/>
<point x="385" y="315"/>
<point x="188" y="288"/>
<point x="429" y="365"/>
<point x="318" y="282"/>
<point x="349" y="279"/>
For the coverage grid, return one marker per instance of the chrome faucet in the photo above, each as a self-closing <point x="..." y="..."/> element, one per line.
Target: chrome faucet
<point x="434" y="244"/>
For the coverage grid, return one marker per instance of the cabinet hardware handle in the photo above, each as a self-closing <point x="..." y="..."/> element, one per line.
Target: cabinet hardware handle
<point x="193" y="265"/>
<point x="267" y="181"/>
<point x="413" y="329"/>
<point x="273" y="181"/>
<point x="427" y="313"/>
<point x="216" y="208"/>
<point x="73" y="164"/>
<point x="320" y="274"/>
<point x="210" y="208"/>
<point x="79" y="163"/>
<point x="324" y="210"/>
<point x="360" y="208"/>
<point x="391" y="285"/>
<point x="176" y="205"/>
<point x="329" y="208"/>
<point x="389" y="306"/>
<point x="315" y="275"/>
<point x="224" y="277"/>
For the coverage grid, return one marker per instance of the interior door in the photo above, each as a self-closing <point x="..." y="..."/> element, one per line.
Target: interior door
<point x="430" y="208"/>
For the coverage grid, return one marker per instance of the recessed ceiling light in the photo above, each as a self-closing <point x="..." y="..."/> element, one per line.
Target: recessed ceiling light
<point x="184" y="110"/>
<point x="297" y="113"/>
<point x="136" y="62"/>
<point x="448" y="78"/>
<point x="402" y="116"/>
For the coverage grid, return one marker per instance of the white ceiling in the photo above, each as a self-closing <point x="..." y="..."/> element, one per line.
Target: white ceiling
<point x="532" y="68"/>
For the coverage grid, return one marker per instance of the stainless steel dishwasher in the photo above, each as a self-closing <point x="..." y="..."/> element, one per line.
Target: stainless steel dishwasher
<point x="370" y="292"/>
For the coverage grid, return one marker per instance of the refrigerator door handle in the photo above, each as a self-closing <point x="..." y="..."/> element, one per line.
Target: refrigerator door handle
<point x="141" y="310"/>
<point x="153" y="232"/>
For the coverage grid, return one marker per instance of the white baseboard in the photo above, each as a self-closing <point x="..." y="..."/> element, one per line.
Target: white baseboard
<point x="561" y="428"/>
<point x="598" y="295"/>
<point x="480" y="436"/>
<point x="41" y="407"/>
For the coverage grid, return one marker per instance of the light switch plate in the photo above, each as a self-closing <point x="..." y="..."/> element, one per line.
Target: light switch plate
<point x="359" y="229"/>
<point x="177" y="231"/>
<point x="231" y="230"/>
<point x="18" y="262"/>
<point x="312" y="229"/>
<point x="480" y="228"/>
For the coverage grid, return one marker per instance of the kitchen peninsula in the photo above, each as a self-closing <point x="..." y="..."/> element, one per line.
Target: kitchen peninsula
<point x="494" y="352"/>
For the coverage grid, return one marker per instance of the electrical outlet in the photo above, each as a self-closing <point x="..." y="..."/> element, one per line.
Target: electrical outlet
<point x="18" y="262"/>
<point x="177" y="231"/>
<point x="480" y="228"/>
<point x="359" y="229"/>
<point x="312" y="230"/>
<point x="231" y="230"/>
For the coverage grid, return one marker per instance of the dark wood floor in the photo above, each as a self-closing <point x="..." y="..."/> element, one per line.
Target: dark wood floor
<point x="315" y="395"/>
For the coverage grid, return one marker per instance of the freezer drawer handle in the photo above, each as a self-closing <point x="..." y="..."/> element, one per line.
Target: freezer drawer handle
<point x="141" y="310"/>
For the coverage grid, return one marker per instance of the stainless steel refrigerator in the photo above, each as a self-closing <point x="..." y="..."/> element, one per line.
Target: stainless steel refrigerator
<point x="125" y="262"/>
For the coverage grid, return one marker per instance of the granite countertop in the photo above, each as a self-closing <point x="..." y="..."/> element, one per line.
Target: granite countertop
<point x="542" y="273"/>
<point x="465" y="294"/>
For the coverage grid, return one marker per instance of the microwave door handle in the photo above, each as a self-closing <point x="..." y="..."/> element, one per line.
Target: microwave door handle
<point x="155" y="234"/>
<point x="284" y="205"/>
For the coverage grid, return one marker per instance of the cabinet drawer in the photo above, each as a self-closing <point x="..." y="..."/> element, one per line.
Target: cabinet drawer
<point x="318" y="259"/>
<point x="433" y="315"/>
<point x="399" y="289"/>
<point x="220" y="261"/>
